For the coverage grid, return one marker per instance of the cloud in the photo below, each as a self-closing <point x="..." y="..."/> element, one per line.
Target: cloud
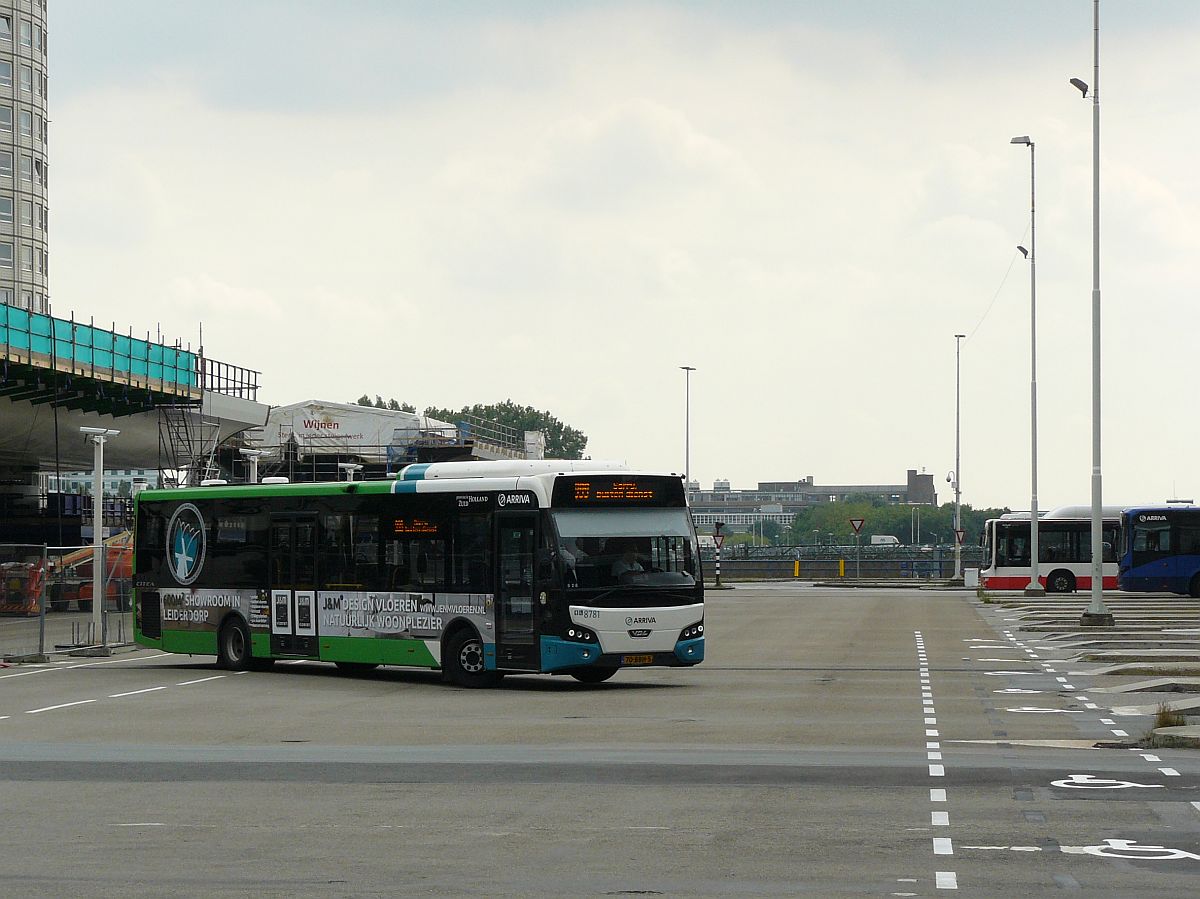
<point x="561" y="204"/>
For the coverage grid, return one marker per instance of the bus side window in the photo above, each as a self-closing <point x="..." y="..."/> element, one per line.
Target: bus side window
<point x="1189" y="541"/>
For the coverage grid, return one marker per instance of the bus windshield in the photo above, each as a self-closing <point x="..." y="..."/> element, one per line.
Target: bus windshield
<point x="635" y="547"/>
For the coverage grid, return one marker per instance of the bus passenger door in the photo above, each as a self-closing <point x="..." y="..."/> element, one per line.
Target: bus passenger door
<point x="516" y="591"/>
<point x="294" y="585"/>
<point x="1153" y="556"/>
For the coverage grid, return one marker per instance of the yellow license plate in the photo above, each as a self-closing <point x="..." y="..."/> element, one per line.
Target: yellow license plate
<point x="637" y="660"/>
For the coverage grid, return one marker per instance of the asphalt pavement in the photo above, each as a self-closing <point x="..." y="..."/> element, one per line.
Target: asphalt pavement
<point x="834" y="743"/>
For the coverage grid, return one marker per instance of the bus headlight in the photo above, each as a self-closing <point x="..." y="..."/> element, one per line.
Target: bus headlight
<point x="581" y="635"/>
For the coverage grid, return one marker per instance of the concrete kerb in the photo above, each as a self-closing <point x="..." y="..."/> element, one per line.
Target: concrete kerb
<point x="1154" y="685"/>
<point x="1143" y="669"/>
<point x="897" y="584"/>
<point x="1186" y="736"/>
<point x="33" y="658"/>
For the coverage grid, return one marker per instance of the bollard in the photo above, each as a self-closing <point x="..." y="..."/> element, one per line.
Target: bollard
<point x="796" y="570"/>
<point x="841" y="567"/>
<point x="42" y="601"/>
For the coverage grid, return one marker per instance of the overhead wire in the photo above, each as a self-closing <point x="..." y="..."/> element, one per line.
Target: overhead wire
<point x="996" y="295"/>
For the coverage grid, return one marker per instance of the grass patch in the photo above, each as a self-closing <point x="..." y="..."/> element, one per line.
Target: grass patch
<point x="1168" y="717"/>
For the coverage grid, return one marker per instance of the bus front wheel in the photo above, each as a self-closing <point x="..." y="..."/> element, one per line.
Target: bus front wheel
<point x="1060" y="582"/>
<point x="593" y="675"/>
<point x="462" y="661"/>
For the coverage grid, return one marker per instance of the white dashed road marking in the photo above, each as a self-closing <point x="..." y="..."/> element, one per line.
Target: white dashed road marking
<point x="135" y="692"/>
<point x="51" y="708"/>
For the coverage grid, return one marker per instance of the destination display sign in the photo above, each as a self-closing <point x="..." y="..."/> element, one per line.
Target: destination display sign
<point x="618" y="490"/>
<point x="415" y="527"/>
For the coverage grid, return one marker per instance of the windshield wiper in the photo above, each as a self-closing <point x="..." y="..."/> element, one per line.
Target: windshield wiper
<point x="636" y="588"/>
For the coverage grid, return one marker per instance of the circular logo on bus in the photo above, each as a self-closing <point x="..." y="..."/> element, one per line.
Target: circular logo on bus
<point x="185" y="544"/>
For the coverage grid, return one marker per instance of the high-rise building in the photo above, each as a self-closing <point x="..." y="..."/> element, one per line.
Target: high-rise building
<point x="24" y="173"/>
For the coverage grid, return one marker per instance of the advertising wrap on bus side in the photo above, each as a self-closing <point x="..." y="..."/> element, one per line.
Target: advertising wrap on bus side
<point x="522" y="567"/>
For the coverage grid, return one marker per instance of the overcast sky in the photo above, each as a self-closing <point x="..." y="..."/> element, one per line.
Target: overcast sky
<point x="561" y="203"/>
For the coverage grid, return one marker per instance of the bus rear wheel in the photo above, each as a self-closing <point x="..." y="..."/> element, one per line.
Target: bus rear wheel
<point x="233" y="646"/>
<point x="593" y="675"/>
<point x="1060" y="582"/>
<point x="463" y="661"/>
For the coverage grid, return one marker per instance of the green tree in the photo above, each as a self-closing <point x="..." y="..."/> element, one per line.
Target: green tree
<point x="562" y="440"/>
<point x="898" y="520"/>
<point x="378" y="403"/>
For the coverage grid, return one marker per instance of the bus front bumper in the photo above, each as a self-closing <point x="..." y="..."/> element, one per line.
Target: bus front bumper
<point x="558" y="654"/>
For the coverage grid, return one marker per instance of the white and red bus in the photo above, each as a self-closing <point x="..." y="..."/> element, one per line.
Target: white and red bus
<point x="1064" y="550"/>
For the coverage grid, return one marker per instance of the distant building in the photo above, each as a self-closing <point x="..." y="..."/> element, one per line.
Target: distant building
<point x="780" y="501"/>
<point x="24" y="208"/>
<point x="117" y="481"/>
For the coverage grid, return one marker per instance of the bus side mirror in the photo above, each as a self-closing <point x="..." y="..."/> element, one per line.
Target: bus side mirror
<point x="545" y="568"/>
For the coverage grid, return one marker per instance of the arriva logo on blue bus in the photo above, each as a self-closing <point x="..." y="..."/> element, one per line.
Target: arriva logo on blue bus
<point x="186" y="544"/>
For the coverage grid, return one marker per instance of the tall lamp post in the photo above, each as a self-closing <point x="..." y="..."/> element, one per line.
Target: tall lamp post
<point x="1034" y="588"/>
<point x="1097" y="614"/>
<point x="957" y="478"/>
<point x="98" y="436"/>
<point x="687" y="429"/>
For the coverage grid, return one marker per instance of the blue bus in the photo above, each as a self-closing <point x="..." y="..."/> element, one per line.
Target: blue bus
<point x="1160" y="550"/>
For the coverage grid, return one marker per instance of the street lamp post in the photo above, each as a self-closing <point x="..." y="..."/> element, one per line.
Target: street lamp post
<point x="687" y="429"/>
<point x="98" y="436"/>
<point x="1097" y="614"/>
<point x="251" y="457"/>
<point x="958" y="338"/>
<point x="1034" y="588"/>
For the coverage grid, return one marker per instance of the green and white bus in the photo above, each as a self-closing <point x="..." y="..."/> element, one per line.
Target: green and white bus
<point x="479" y="569"/>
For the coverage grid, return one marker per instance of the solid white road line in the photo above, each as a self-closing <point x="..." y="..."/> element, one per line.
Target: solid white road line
<point x="83" y="665"/>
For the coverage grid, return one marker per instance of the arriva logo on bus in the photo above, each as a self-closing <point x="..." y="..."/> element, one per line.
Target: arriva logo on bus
<point x="514" y="499"/>
<point x="186" y="543"/>
<point x="1152" y="518"/>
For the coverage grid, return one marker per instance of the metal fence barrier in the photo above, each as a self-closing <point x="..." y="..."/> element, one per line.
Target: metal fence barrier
<point x="46" y="599"/>
<point x="824" y="563"/>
